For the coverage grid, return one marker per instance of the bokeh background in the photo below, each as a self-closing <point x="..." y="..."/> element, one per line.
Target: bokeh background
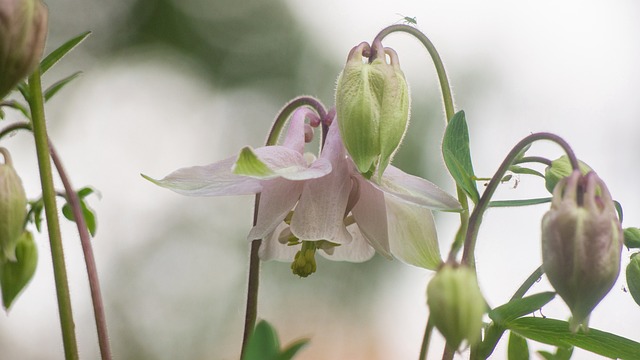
<point x="171" y="83"/>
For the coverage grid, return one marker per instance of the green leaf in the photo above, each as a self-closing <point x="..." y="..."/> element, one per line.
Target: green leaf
<point x="292" y="350"/>
<point x="523" y="170"/>
<point x="523" y="202"/>
<point x="86" y="191"/>
<point x="53" y="89"/>
<point x="457" y="155"/>
<point x="632" y="238"/>
<point x="557" y="333"/>
<point x="14" y="276"/>
<point x="88" y="214"/>
<point x="61" y="51"/>
<point x="520" y="307"/>
<point x="248" y="164"/>
<point x="561" y="354"/>
<point x="518" y="348"/>
<point x="633" y="277"/>
<point x="263" y="343"/>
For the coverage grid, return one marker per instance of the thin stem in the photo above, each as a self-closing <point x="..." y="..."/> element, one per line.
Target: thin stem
<point x="51" y="212"/>
<point x="536" y="159"/>
<point x="251" y="312"/>
<point x="89" y="259"/>
<point x="14" y="127"/>
<point x="447" y="353"/>
<point x="424" y="349"/>
<point x="475" y="219"/>
<point x="449" y="110"/>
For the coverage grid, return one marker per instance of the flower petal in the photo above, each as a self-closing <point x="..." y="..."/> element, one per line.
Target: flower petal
<point x="370" y="214"/>
<point x="358" y="250"/>
<point x="416" y="190"/>
<point x="321" y="209"/>
<point x="210" y="180"/>
<point x="270" y="162"/>
<point x="412" y="234"/>
<point x="272" y="249"/>
<point x="296" y="132"/>
<point x="278" y="197"/>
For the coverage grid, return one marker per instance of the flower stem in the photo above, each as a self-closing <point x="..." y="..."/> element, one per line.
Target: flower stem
<point x="475" y="219"/>
<point x="90" y="262"/>
<point x="36" y="103"/>
<point x="251" y="312"/>
<point x="424" y="349"/>
<point x="14" y="127"/>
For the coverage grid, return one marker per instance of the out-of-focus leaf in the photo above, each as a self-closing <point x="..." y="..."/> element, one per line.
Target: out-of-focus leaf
<point x="557" y="333"/>
<point x="633" y="277"/>
<point x="53" y="89"/>
<point x="518" y="348"/>
<point x="14" y="276"/>
<point x="263" y="343"/>
<point x="520" y="307"/>
<point x="292" y="350"/>
<point x="61" y="51"/>
<point x="457" y="155"/>
<point x="561" y="354"/>
<point x="632" y="237"/>
<point x="523" y="202"/>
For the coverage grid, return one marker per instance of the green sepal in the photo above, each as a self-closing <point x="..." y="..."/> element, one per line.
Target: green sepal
<point x="248" y="164"/>
<point x="557" y="333"/>
<point x="457" y="155"/>
<point x="15" y="275"/>
<point x="61" y="51"/>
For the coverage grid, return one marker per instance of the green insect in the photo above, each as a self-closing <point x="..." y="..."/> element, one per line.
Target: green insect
<point x="408" y="20"/>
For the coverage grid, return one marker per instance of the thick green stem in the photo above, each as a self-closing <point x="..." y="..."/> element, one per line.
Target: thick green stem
<point x="51" y="212"/>
<point x="251" y="312"/>
<point x="475" y="219"/>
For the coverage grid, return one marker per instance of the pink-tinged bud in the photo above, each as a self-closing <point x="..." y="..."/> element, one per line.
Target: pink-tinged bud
<point x="23" y="31"/>
<point x="581" y="243"/>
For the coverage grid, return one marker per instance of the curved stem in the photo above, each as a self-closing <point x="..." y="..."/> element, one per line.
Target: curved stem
<point x="251" y="312"/>
<point x="13" y="127"/>
<point x="89" y="259"/>
<point x="449" y="110"/>
<point x="51" y="211"/>
<point x="475" y="219"/>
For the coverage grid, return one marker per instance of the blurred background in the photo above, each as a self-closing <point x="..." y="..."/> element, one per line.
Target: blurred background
<point x="171" y="83"/>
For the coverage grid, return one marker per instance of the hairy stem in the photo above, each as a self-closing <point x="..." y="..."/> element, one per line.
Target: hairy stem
<point x="89" y="259"/>
<point x="51" y="212"/>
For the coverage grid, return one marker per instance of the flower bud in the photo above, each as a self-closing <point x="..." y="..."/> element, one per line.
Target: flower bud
<point x="23" y="30"/>
<point x="372" y="106"/>
<point x="456" y="305"/>
<point x="560" y="169"/>
<point x="581" y="243"/>
<point x="13" y="208"/>
<point x="633" y="277"/>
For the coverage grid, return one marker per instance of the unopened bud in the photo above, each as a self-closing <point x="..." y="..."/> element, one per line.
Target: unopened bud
<point x="372" y="106"/>
<point x="581" y="244"/>
<point x="13" y="208"/>
<point x="23" y="30"/>
<point x="560" y="169"/>
<point x="456" y="305"/>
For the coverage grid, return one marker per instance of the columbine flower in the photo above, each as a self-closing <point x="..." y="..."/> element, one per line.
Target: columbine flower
<point x="350" y="217"/>
<point x="581" y="243"/>
<point x="278" y="173"/>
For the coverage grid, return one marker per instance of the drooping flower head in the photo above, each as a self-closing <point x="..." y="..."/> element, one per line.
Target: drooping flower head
<point x="581" y="243"/>
<point x="372" y="104"/>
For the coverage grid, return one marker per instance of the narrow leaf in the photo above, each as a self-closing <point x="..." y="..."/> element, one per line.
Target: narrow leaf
<point x="522" y="202"/>
<point x="248" y="164"/>
<point x="457" y="156"/>
<point x="53" y="89"/>
<point x="61" y="51"/>
<point x="292" y="350"/>
<point x="518" y="348"/>
<point x="520" y="307"/>
<point x="263" y="343"/>
<point x="557" y="333"/>
<point x="14" y="276"/>
<point x="523" y="170"/>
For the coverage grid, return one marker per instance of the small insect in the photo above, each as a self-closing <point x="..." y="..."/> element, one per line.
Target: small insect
<point x="408" y="20"/>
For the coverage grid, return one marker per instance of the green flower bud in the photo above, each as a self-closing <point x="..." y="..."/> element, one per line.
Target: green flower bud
<point x="581" y="243"/>
<point x="13" y="208"/>
<point x="633" y="277"/>
<point x="632" y="238"/>
<point x="456" y="305"/>
<point x="372" y="106"/>
<point x="23" y="30"/>
<point x="560" y="169"/>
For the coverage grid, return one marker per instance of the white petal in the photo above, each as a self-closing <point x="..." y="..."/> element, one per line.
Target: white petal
<point x="412" y="234"/>
<point x="210" y="180"/>
<point x="370" y="214"/>
<point x="272" y="249"/>
<point x="278" y="197"/>
<point x="358" y="250"/>
<point x="321" y="209"/>
<point x="416" y="190"/>
<point x="295" y="134"/>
